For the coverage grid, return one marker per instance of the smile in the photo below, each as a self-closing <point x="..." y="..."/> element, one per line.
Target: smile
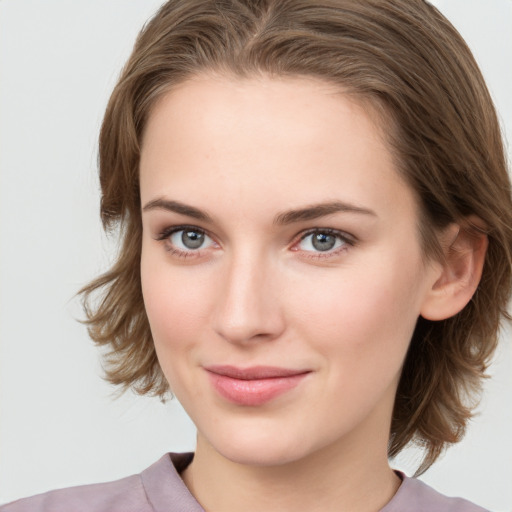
<point x="253" y="386"/>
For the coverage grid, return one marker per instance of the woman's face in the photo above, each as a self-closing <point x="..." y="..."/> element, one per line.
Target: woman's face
<point x="281" y="266"/>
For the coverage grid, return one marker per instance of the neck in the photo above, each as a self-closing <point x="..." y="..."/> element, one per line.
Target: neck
<point x="352" y="475"/>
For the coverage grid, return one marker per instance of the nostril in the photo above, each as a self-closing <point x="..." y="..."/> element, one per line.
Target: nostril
<point x="248" y="307"/>
<point x="249" y="321"/>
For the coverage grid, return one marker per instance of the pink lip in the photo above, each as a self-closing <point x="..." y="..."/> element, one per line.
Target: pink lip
<point x="253" y="386"/>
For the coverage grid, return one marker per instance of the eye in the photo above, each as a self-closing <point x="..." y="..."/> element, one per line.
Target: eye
<point x="189" y="239"/>
<point x="323" y="240"/>
<point x="185" y="240"/>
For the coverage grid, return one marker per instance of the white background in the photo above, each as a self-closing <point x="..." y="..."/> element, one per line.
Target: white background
<point x="60" y="425"/>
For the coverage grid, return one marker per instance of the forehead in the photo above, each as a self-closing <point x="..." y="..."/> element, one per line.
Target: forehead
<point x="284" y="109"/>
<point x="273" y="142"/>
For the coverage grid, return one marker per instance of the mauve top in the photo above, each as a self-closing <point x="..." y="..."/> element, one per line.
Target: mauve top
<point x="160" y="488"/>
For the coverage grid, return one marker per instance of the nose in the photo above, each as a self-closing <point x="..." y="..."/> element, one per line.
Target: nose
<point x="249" y="306"/>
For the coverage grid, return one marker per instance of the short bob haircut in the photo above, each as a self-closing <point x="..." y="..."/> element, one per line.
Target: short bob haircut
<point x="402" y="59"/>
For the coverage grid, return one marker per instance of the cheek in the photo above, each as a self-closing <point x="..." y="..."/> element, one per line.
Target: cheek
<point x="367" y="312"/>
<point x="175" y="306"/>
<point x="175" y="302"/>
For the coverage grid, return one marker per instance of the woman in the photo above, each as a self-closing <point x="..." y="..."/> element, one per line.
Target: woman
<point x="316" y="252"/>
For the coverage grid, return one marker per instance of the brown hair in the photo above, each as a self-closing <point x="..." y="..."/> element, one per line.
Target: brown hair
<point x="401" y="56"/>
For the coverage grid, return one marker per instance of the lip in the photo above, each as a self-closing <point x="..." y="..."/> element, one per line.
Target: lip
<point x="253" y="386"/>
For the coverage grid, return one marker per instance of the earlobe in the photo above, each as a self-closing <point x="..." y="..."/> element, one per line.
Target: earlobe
<point x="464" y="248"/>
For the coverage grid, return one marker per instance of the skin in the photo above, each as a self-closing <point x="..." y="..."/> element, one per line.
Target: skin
<point x="257" y="292"/>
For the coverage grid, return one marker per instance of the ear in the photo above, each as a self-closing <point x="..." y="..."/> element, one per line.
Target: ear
<point x="456" y="278"/>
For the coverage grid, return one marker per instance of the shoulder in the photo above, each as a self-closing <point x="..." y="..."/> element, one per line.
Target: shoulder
<point x="125" y="495"/>
<point x="415" y="495"/>
<point x="154" y="490"/>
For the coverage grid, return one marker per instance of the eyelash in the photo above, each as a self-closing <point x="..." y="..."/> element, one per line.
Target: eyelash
<point x="346" y="239"/>
<point x="165" y="235"/>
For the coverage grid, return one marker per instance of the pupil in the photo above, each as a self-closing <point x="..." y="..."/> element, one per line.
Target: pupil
<point x="192" y="239"/>
<point x="323" y="242"/>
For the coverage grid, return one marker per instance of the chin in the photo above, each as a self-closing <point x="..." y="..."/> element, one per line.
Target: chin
<point x="260" y="456"/>
<point x="263" y="447"/>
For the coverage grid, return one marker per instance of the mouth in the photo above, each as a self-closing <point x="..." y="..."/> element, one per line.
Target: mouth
<point x="253" y="386"/>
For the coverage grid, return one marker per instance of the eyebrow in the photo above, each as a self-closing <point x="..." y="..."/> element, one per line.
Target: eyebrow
<point x="311" y="212"/>
<point x="317" y="211"/>
<point x="177" y="207"/>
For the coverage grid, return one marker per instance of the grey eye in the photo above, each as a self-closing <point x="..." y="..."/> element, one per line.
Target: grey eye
<point x="321" y="241"/>
<point x="190" y="239"/>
